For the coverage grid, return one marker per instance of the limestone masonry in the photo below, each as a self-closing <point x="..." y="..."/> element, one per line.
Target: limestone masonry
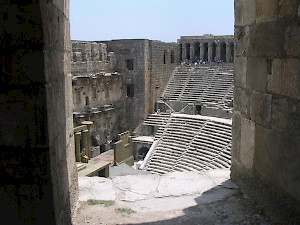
<point x="139" y="88"/>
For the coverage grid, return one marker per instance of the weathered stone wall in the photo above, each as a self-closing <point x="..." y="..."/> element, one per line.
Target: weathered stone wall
<point x="266" y="122"/>
<point x="91" y="57"/>
<point x="161" y="68"/>
<point x="38" y="174"/>
<point x="152" y="67"/>
<point x="123" y="152"/>
<point x="101" y="90"/>
<point x="137" y="51"/>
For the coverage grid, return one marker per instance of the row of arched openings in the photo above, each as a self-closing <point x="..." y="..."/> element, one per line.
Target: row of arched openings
<point x="197" y="52"/>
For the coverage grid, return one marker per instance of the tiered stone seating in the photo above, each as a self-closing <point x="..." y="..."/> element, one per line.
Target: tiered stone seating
<point x="157" y="119"/>
<point x="189" y="142"/>
<point x="204" y="84"/>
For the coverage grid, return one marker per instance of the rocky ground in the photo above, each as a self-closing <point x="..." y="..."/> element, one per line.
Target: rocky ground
<point x="177" y="198"/>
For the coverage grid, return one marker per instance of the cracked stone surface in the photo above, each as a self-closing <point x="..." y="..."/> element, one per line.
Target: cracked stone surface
<point x="175" y="198"/>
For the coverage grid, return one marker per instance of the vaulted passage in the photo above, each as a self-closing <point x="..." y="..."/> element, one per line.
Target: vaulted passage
<point x="38" y="170"/>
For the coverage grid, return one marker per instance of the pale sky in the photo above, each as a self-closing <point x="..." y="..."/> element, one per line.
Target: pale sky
<point x="165" y="20"/>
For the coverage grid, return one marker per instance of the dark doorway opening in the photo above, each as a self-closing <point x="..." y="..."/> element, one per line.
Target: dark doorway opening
<point x="188" y="51"/>
<point x="197" y="51"/>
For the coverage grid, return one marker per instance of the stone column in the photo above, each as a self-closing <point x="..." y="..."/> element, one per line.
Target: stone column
<point x="77" y="146"/>
<point x="201" y="51"/>
<point x="192" y="51"/>
<point x="184" y="51"/>
<point x="85" y="137"/>
<point x="218" y="51"/>
<point x="228" y="52"/>
<point x="210" y="51"/>
<point x="88" y="124"/>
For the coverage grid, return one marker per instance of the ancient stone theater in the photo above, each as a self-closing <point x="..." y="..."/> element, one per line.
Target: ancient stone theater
<point x="203" y="129"/>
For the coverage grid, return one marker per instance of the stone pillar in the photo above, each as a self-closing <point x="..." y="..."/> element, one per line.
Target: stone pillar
<point x="88" y="124"/>
<point x="228" y="52"/>
<point x="77" y="146"/>
<point x="210" y="51"/>
<point x="184" y="51"/>
<point x="85" y="137"/>
<point x="218" y="51"/>
<point x="201" y="51"/>
<point x="192" y="51"/>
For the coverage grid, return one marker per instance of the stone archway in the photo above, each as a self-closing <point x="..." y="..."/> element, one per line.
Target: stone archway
<point x="142" y="152"/>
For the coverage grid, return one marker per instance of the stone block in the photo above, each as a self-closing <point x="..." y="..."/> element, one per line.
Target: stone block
<point x="245" y="107"/>
<point x="247" y="143"/>
<point x="263" y="41"/>
<point x="292" y="41"/>
<point x="285" y="79"/>
<point x="277" y="159"/>
<point x="286" y="115"/>
<point x="240" y="66"/>
<point x="237" y="99"/>
<point x="236" y="137"/>
<point x="244" y="12"/>
<point x="257" y="74"/>
<point x="266" y="10"/>
<point x="260" y="108"/>
<point x="288" y="8"/>
<point x="241" y="47"/>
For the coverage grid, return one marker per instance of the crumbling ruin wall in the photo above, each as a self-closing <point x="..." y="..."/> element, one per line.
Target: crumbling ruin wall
<point x="164" y="57"/>
<point x="100" y="99"/>
<point x="91" y="57"/>
<point x="266" y="122"/>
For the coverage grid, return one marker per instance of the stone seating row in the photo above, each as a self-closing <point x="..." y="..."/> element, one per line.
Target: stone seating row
<point x="181" y="148"/>
<point x="205" y="84"/>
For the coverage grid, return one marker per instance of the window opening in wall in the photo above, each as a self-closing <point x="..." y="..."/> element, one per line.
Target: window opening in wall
<point x="87" y="101"/>
<point x="165" y="57"/>
<point x="130" y="90"/>
<point x="129" y="64"/>
<point x="172" y="57"/>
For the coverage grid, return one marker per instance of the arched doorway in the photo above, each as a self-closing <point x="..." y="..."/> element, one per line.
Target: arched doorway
<point x="197" y="51"/>
<point x="188" y="51"/>
<point x="214" y="52"/>
<point x="223" y="51"/>
<point x="142" y="152"/>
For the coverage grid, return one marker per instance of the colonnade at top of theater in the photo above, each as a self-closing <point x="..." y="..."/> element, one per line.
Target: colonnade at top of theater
<point x="210" y="51"/>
